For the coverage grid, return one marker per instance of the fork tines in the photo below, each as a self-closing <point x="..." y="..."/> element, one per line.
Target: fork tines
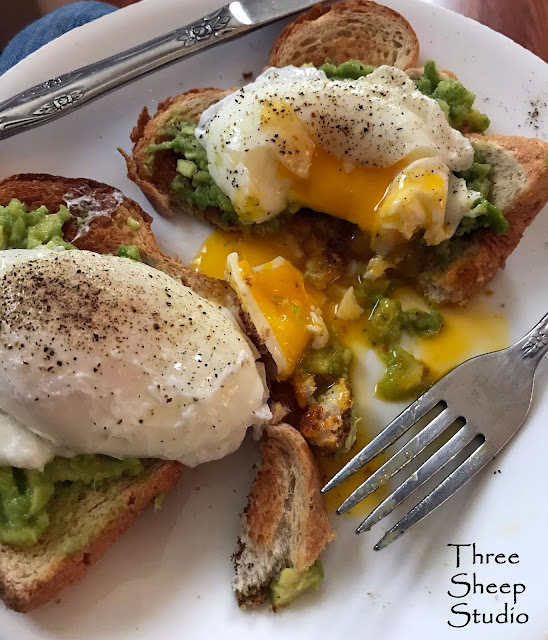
<point x="465" y="434"/>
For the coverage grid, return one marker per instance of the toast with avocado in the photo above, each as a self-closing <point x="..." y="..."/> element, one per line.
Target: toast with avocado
<point x="83" y="521"/>
<point x="346" y="40"/>
<point x="279" y="546"/>
<point x="95" y="498"/>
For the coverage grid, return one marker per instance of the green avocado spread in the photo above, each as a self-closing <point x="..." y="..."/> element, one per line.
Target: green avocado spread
<point x="130" y="251"/>
<point x="22" y="229"/>
<point x="454" y="99"/>
<point x="290" y="584"/>
<point x="193" y="183"/>
<point x="26" y="495"/>
<point x="385" y="323"/>
<point x="349" y="70"/>
<point x="405" y="377"/>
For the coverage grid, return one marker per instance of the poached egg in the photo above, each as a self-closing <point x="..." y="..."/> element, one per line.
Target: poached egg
<point x="101" y="354"/>
<point x="374" y="151"/>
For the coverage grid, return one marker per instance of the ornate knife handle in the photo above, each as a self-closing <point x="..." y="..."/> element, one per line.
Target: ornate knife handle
<point x="59" y="96"/>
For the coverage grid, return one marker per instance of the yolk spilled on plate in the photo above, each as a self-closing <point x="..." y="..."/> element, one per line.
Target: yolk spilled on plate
<point x="467" y="331"/>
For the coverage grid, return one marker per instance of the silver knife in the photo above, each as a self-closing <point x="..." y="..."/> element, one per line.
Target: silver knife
<point x="59" y="96"/>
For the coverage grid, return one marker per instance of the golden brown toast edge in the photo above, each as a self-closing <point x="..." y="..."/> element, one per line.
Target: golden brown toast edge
<point x="465" y="277"/>
<point x="66" y="570"/>
<point x="310" y="531"/>
<point x="322" y="33"/>
<point x="155" y="184"/>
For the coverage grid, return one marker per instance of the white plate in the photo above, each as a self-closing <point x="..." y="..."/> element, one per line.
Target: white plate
<point x="169" y="577"/>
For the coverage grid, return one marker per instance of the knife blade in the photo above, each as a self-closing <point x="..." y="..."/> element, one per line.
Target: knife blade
<point x="59" y="96"/>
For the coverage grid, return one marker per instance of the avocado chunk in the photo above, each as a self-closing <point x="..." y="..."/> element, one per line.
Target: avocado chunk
<point x="332" y="361"/>
<point x="348" y="70"/>
<point x="130" y="251"/>
<point x="404" y="377"/>
<point x="454" y="99"/>
<point x="422" y="323"/>
<point x="22" y="229"/>
<point x="193" y="183"/>
<point x="290" y="584"/>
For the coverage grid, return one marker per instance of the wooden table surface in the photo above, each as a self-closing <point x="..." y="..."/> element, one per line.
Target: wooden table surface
<point x="524" y="21"/>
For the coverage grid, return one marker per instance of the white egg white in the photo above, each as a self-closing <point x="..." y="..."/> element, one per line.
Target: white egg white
<point x="374" y="121"/>
<point x="101" y="354"/>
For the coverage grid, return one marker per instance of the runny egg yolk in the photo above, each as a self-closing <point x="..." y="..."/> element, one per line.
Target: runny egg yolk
<point x="256" y="250"/>
<point x="363" y="195"/>
<point x="467" y="331"/>
<point x="283" y="312"/>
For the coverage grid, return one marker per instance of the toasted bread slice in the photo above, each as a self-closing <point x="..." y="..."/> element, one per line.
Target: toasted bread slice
<point x="519" y="174"/>
<point x="348" y="30"/>
<point x="155" y="182"/>
<point x="31" y="577"/>
<point x="285" y="523"/>
<point x="357" y="29"/>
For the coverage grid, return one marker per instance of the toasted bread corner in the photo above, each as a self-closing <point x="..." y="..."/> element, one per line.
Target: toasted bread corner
<point x="155" y="182"/>
<point x="32" y="577"/>
<point x="520" y="190"/>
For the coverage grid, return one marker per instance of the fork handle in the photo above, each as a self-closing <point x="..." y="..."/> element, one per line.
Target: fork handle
<point x="534" y="345"/>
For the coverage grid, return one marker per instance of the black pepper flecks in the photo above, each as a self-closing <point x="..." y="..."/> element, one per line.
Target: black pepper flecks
<point x="110" y="311"/>
<point x="373" y="121"/>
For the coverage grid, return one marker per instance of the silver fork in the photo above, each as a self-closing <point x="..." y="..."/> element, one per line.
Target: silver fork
<point x="490" y="395"/>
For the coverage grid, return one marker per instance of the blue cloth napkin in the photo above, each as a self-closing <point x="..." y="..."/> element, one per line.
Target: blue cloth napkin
<point x="49" y="27"/>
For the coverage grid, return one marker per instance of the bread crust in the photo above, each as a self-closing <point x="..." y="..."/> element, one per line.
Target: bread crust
<point x="279" y="494"/>
<point x="64" y="571"/>
<point x="488" y="251"/>
<point x="155" y="184"/>
<point x="343" y="31"/>
<point x="270" y="488"/>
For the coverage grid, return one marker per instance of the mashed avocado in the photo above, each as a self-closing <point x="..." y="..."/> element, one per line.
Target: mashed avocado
<point x="290" y="584"/>
<point x="405" y="377"/>
<point x="129" y="251"/>
<point x="384" y="323"/>
<point x="25" y="494"/>
<point x="349" y="70"/>
<point x="483" y="213"/>
<point x="193" y="183"/>
<point x="455" y="100"/>
<point x="22" y="229"/>
<point x="332" y="361"/>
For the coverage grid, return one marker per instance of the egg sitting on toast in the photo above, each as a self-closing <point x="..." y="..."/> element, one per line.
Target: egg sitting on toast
<point x="374" y="151"/>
